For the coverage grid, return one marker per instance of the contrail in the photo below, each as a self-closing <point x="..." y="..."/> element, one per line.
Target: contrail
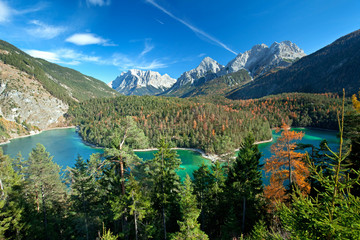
<point x="194" y="29"/>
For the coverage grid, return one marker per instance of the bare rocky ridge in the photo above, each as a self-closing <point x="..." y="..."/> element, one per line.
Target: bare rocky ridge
<point x="23" y="99"/>
<point x="207" y="69"/>
<point x="261" y="58"/>
<point x="138" y="82"/>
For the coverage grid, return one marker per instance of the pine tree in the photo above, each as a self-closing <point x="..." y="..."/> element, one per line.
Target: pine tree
<point x="120" y="156"/>
<point x="244" y="187"/>
<point x="44" y="187"/>
<point x="189" y="226"/>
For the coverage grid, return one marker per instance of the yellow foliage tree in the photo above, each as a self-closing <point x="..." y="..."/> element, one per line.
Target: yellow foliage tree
<point x="356" y="103"/>
<point x="286" y="164"/>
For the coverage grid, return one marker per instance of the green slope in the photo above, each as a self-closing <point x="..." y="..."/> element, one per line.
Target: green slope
<point x="64" y="83"/>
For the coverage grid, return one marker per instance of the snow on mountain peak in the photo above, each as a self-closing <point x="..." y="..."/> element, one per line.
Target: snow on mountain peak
<point x="206" y="67"/>
<point x="261" y="58"/>
<point x="135" y="79"/>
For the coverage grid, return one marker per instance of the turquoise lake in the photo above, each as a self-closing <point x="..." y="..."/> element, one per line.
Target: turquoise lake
<point x="66" y="144"/>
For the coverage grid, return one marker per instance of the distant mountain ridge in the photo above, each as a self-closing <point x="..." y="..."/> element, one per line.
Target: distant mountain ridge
<point x="139" y="82"/>
<point x="262" y="58"/>
<point x="329" y="69"/>
<point x="253" y="63"/>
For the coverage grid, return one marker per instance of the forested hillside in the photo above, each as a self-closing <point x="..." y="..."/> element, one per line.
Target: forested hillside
<point x="63" y="83"/>
<point x="211" y="124"/>
<point x="185" y="123"/>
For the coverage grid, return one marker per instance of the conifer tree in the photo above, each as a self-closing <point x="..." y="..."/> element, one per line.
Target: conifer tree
<point x="286" y="165"/>
<point x="136" y="204"/>
<point x="202" y="185"/>
<point x="189" y="226"/>
<point x="11" y="200"/>
<point x="84" y="199"/>
<point x="334" y="213"/>
<point x="120" y="156"/>
<point x="215" y="202"/>
<point x="165" y="187"/>
<point x="244" y="188"/>
<point x="44" y="187"/>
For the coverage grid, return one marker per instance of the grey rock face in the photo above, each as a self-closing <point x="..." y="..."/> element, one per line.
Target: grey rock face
<point x="23" y="98"/>
<point x="134" y="82"/>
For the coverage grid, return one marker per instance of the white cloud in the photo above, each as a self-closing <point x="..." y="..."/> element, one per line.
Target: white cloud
<point x="191" y="27"/>
<point x="87" y="39"/>
<point x="5" y="12"/>
<point x="148" y="47"/>
<point x="49" y="56"/>
<point x="45" y="31"/>
<point x="64" y="56"/>
<point x="124" y="62"/>
<point x="99" y="3"/>
<point x="201" y="55"/>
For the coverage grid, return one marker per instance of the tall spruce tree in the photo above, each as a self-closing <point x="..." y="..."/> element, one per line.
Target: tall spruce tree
<point x="165" y="188"/>
<point x="84" y="200"/>
<point x="189" y="226"/>
<point x="215" y="202"/>
<point x="202" y="188"/>
<point x="244" y="189"/>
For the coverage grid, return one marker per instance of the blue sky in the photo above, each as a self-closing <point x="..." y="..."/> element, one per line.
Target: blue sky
<point x="102" y="38"/>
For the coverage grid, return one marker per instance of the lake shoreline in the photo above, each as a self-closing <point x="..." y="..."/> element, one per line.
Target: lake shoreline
<point x="33" y="133"/>
<point x="212" y="157"/>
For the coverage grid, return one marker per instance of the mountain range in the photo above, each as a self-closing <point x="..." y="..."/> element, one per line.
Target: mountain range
<point x="329" y="69"/>
<point x="138" y="82"/>
<point x="253" y="63"/>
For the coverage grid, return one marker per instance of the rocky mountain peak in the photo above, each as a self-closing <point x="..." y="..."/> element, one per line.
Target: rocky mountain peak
<point x="209" y="64"/>
<point x="139" y="82"/>
<point x="261" y="58"/>
<point x="206" y="67"/>
<point x="287" y="50"/>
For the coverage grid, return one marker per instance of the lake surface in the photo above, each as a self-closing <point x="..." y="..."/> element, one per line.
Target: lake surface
<point x="66" y="144"/>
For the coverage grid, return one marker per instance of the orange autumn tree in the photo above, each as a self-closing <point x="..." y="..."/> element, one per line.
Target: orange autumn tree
<point x="286" y="164"/>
